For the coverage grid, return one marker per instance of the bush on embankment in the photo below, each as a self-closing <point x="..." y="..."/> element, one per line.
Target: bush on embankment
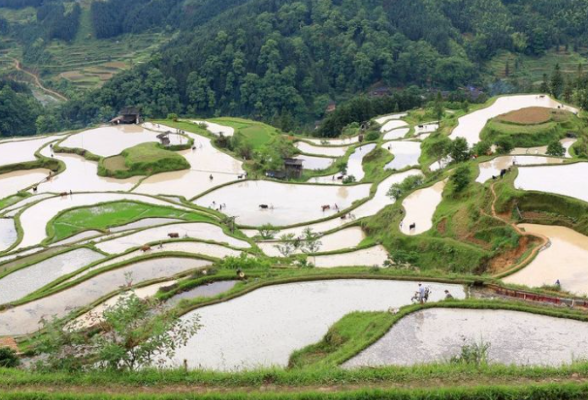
<point x="144" y="159"/>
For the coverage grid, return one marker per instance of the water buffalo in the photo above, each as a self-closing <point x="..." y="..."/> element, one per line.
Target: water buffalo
<point x="412" y="226"/>
<point x="263" y="206"/>
<point x="326" y="208"/>
<point x="145" y="248"/>
<point x="173" y="235"/>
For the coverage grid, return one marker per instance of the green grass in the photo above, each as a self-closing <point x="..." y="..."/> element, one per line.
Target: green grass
<point x="144" y="159"/>
<point x="256" y="134"/>
<point x="102" y="217"/>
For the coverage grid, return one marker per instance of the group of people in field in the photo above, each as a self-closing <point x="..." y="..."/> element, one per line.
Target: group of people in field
<point x="422" y="294"/>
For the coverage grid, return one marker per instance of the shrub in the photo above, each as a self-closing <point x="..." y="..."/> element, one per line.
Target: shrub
<point x="556" y="149"/>
<point x="461" y="178"/>
<point x="504" y="145"/>
<point x="8" y="358"/>
<point x="472" y="354"/>
<point x="459" y="150"/>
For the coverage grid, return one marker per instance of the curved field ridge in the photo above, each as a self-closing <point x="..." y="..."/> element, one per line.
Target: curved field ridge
<point x="197" y="230"/>
<point x="262" y="328"/>
<point x="27" y="280"/>
<point x="435" y="335"/>
<point x="470" y="125"/>
<point x="24" y="319"/>
<point x="321" y="150"/>
<point x="34" y="219"/>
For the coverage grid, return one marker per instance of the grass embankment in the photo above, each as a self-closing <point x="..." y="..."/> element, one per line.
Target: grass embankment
<point x="144" y="159"/>
<point x="357" y="331"/>
<point x="462" y="240"/>
<point x="539" y="207"/>
<point x="538" y="131"/>
<point x="256" y="134"/>
<point x="104" y="216"/>
<point x="545" y="391"/>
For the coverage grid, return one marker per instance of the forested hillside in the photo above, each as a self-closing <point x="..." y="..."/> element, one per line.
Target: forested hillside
<point x="279" y="60"/>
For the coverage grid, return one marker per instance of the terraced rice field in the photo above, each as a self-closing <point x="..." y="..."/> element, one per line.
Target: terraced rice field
<point x="64" y="247"/>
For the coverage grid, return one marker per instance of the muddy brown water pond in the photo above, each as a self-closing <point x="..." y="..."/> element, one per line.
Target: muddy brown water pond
<point x="565" y="260"/>
<point x="24" y="319"/>
<point x="435" y="335"/>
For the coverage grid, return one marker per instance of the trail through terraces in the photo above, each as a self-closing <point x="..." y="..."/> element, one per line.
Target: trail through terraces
<point x="545" y="242"/>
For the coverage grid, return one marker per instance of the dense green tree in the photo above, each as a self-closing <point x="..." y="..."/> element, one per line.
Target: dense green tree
<point x="556" y="149"/>
<point x="557" y="82"/>
<point x="459" y="150"/>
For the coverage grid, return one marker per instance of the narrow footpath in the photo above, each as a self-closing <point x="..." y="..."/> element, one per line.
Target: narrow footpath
<point x="37" y="81"/>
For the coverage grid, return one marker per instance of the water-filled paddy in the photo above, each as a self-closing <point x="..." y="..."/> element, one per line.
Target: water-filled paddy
<point x="420" y="207"/>
<point x="322" y="150"/>
<point x="13" y="152"/>
<point x="493" y="167"/>
<point x="8" y="233"/>
<point x="435" y="335"/>
<point x="205" y="162"/>
<point x="470" y="125"/>
<point x="367" y="209"/>
<point x="567" y="180"/>
<point x="315" y="163"/>
<point x="393" y="124"/>
<point x="372" y="257"/>
<point x="396" y="134"/>
<point x="292" y="204"/>
<point x="27" y="280"/>
<point x="264" y="327"/>
<point x="195" y="248"/>
<point x="406" y="154"/>
<point x="24" y="319"/>
<point x="385" y="118"/>
<point x="109" y="141"/>
<point x="355" y="161"/>
<point x="207" y="290"/>
<point x="564" y="260"/>
<point x="13" y="182"/>
<point x="198" y="230"/>
<point x="81" y="175"/>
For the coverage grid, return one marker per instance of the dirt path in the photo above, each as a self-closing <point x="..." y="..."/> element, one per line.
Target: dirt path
<point x="545" y="242"/>
<point x="38" y="81"/>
